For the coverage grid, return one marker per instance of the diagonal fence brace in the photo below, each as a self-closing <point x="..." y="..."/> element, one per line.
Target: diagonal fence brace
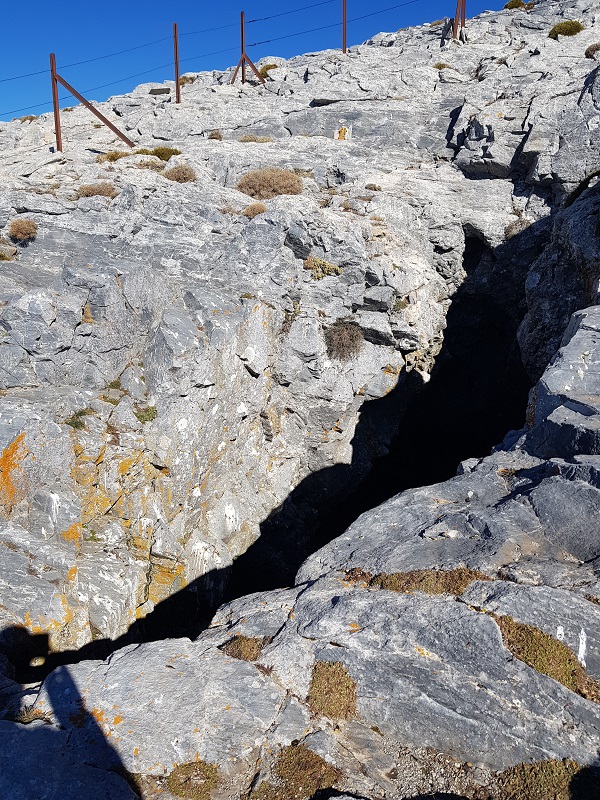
<point x="245" y="59"/>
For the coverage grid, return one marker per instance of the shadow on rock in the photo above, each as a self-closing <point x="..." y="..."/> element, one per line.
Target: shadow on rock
<point x="67" y="759"/>
<point x="585" y="785"/>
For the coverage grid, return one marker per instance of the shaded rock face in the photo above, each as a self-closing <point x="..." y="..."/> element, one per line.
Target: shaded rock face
<point x="173" y="416"/>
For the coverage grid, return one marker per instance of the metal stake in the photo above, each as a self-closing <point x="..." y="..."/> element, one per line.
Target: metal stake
<point x="56" y="78"/>
<point x="459" y="17"/>
<point x="245" y="58"/>
<point x="55" y="103"/>
<point x="344" y="26"/>
<point x="176" y="58"/>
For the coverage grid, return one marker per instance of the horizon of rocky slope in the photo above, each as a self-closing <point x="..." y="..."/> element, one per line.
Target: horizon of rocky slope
<point x="193" y="388"/>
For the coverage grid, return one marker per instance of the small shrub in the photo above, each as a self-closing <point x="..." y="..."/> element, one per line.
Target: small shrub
<point x="373" y="187"/>
<point x="429" y="581"/>
<point x="513" y="5"/>
<point x="263" y="184"/>
<point x="76" y="419"/>
<point x="180" y="174"/>
<point x="194" y="780"/>
<point x="253" y="210"/>
<point x="4" y="256"/>
<point x="164" y="153"/>
<point x="592" y="50"/>
<point x="570" y="27"/>
<point x="265" y="69"/>
<point x="441" y="65"/>
<point x="186" y="80"/>
<point x="28" y="118"/>
<point x="343" y="340"/>
<point x="548" y="780"/>
<point x="216" y="135"/>
<point x="22" y="230"/>
<point x="146" y="414"/>
<point x="547" y="655"/>
<point x="29" y="714"/>
<point x="401" y="304"/>
<point x="245" y="648"/>
<point x="332" y="691"/>
<point x="299" y="774"/>
<point x="251" y="137"/>
<point x="321" y="268"/>
<point x="156" y="166"/>
<point x="112" y="156"/>
<point x="103" y="189"/>
<point x="437" y="22"/>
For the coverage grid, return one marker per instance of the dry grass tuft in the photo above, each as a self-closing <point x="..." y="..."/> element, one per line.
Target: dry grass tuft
<point x="266" y="68"/>
<point x="592" y="50"/>
<point x="112" y="156"/>
<point x="245" y="648"/>
<point x="180" y="174"/>
<point x="442" y="65"/>
<point x="263" y="184"/>
<point x="22" y="230"/>
<point x="103" y="189"/>
<point x="216" y="135"/>
<point x="194" y="780"/>
<point x="251" y="137"/>
<point x="547" y="655"/>
<point x="28" y="118"/>
<point x="332" y="691"/>
<point x="570" y="27"/>
<point x="164" y="153"/>
<point x="373" y="187"/>
<point x="429" y="581"/>
<point x="29" y="714"/>
<point x="147" y="163"/>
<point x="253" y="210"/>
<point x="343" y="340"/>
<point x="513" y="5"/>
<point x="186" y="80"/>
<point x="299" y="774"/>
<point x="548" y="780"/>
<point x="320" y="268"/>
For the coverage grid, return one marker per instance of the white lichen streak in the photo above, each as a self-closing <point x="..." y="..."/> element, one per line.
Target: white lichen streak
<point x="560" y="633"/>
<point x="582" y="650"/>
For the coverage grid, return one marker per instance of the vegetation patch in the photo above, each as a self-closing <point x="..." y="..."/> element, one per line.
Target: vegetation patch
<point x="548" y="780"/>
<point x="570" y="27"/>
<point x="245" y="648"/>
<point x="253" y="210"/>
<point x="22" y="230"/>
<point x="343" y="340"/>
<point x="332" y="691"/>
<point x="186" y="80"/>
<point x="263" y="184"/>
<point x="146" y="414"/>
<point x="547" y="655"/>
<point x="442" y="65"/>
<point x="321" y="268"/>
<point x="400" y="304"/>
<point x="373" y="187"/>
<point x="194" y="781"/>
<point x="164" y="153"/>
<point x="517" y="226"/>
<point x="265" y="69"/>
<point x="429" y="581"/>
<point x="112" y="156"/>
<point x="28" y="118"/>
<point x="76" y="419"/>
<point x="103" y="189"/>
<point x="216" y="135"/>
<point x="513" y="5"/>
<point x="252" y="137"/>
<point x="180" y="174"/>
<point x="592" y="50"/>
<point x="299" y="774"/>
<point x="29" y="714"/>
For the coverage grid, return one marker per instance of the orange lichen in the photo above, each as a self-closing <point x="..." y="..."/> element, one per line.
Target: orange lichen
<point x="11" y="473"/>
<point x="73" y="533"/>
<point x="117" y="720"/>
<point x="71" y="574"/>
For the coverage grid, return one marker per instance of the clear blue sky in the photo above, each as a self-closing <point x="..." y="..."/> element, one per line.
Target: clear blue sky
<point x="82" y="30"/>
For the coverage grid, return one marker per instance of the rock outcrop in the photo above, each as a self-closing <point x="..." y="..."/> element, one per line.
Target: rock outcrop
<point x="176" y="364"/>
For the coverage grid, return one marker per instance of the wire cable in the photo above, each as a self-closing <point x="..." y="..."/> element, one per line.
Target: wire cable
<point x="209" y="30"/>
<point x="293" y="11"/>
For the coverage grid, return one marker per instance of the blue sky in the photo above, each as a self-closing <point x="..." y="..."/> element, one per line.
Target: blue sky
<point x="79" y="31"/>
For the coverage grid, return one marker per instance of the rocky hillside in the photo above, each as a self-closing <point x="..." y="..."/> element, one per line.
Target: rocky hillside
<point x="189" y="354"/>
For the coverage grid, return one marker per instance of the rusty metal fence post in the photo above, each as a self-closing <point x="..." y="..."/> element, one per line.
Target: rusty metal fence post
<point x="176" y="59"/>
<point x="460" y="18"/>
<point x="56" y="79"/>
<point x="55" y="103"/>
<point x="344" y="26"/>
<point x="245" y="58"/>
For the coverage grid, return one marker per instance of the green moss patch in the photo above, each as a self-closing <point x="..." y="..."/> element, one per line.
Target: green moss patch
<point x="548" y="780"/>
<point x="246" y="648"/>
<point x="146" y="414"/>
<point x="299" y="774"/>
<point x="429" y="581"/>
<point x="76" y="419"/>
<point x="570" y="27"/>
<point x="194" y="780"/>
<point x="547" y="655"/>
<point x="320" y="268"/>
<point x="332" y="691"/>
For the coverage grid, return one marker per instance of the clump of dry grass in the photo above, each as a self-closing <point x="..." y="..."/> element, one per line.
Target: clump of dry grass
<point x="253" y="210"/>
<point x="343" y="340"/>
<point x="332" y="691"/>
<point x="180" y="174"/>
<point x="430" y="581"/>
<point x="147" y="163"/>
<point x="102" y="189"/>
<point x="263" y="184"/>
<point x="592" y="50"/>
<point x="265" y="69"/>
<point x="22" y="230"/>
<point x="28" y="118"/>
<point x="251" y="137"/>
<point x="194" y="780"/>
<point x="439" y="65"/>
<point x="570" y="27"/>
<point x="186" y="80"/>
<point x="246" y="648"/>
<point x="518" y="226"/>
<point x="112" y="156"/>
<point x="299" y="774"/>
<point x="320" y="268"/>
<point x="216" y="135"/>
<point x="548" y="780"/>
<point x="164" y="153"/>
